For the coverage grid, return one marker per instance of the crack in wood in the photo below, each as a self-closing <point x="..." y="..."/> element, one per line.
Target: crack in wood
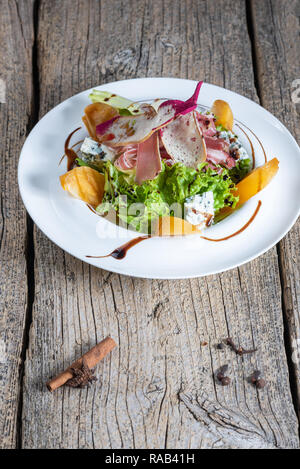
<point x="226" y="427"/>
<point x="251" y="34"/>
<point x="29" y="250"/>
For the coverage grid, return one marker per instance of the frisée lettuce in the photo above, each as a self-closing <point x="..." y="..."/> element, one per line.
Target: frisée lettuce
<point x="140" y="205"/>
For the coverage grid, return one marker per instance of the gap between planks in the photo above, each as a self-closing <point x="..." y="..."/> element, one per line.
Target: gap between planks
<point x="29" y="248"/>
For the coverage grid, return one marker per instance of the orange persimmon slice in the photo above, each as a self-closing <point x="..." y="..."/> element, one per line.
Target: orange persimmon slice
<point x="84" y="183"/>
<point x="223" y="113"/>
<point x="96" y="114"/>
<point x="255" y="182"/>
<point x="174" y="226"/>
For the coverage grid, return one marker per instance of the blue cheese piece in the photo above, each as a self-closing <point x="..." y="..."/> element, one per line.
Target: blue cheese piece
<point x="91" y="147"/>
<point x="94" y="152"/>
<point x="199" y="209"/>
<point x="235" y="145"/>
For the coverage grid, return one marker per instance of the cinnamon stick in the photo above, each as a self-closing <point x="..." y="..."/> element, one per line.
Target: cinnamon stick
<point x="91" y="359"/>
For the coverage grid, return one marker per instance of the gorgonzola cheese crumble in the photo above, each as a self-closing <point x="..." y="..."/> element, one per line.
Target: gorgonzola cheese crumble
<point x="199" y="209"/>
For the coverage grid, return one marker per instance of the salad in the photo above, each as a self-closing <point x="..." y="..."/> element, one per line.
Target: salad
<point x="167" y="161"/>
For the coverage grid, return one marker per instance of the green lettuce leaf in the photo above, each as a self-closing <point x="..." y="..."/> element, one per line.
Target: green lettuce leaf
<point x="140" y="205"/>
<point x="221" y="128"/>
<point x="240" y="170"/>
<point x="81" y="162"/>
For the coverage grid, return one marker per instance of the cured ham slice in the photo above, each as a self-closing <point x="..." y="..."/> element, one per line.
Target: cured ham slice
<point x="220" y="157"/>
<point x="127" y="160"/>
<point x="217" y="144"/>
<point x="218" y="152"/>
<point x="183" y="140"/>
<point x="145" y="157"/>
<point x="148" y="163"/>
<point x="127" y="130"/>
<point x="207" y="124"/>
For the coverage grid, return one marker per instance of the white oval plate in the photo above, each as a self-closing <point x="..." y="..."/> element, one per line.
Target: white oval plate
<point x="72" y="226"/>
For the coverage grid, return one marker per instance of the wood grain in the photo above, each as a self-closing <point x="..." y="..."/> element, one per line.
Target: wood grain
<point x="16" y="38"/>
<point x="277" y="44"/>
<point x="152" y="391"/>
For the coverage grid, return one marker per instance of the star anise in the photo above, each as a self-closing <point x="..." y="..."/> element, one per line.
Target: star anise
<point x="81" y="376"/>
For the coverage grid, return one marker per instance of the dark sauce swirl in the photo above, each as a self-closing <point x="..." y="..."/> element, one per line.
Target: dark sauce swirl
<point x="69" y="152"/>
<point x="120" y="252"/>
<point x="240" y="230"/>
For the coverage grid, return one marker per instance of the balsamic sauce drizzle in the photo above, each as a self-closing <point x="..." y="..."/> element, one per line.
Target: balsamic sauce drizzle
<point x="120" y="252"/>
<point x="240" y="230"/>
<point x="251" y="145"/>
<point x="93" y="210"/>
<point x="72" y="148"/>
<point x="69" y="152"/>
<point x="259" y="141"/>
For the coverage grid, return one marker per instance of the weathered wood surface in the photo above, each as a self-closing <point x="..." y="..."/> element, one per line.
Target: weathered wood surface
<point x="277" y="45"/>
<point x="16" y="39"/>
<point x="152" y="390"/>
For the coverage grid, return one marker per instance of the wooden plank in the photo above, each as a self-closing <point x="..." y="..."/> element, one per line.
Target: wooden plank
<point x="277" y="50"/>
<point x="16" y="38"/>
<point x="151" y="391"/>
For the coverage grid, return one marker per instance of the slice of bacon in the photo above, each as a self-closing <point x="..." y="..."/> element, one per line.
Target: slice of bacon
<point x="126" y="130"/>
<point x="148" y="163"/>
